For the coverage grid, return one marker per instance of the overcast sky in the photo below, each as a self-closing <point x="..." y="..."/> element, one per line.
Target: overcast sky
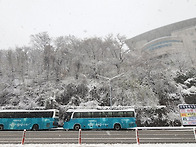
<point x="87" y="18"/>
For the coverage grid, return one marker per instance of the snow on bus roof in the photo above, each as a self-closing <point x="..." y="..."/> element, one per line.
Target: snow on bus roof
<point x="96" y="110"/>
<point x="20" y="110"/>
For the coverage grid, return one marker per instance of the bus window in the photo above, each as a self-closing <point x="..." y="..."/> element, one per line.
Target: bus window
<point x="108" y="114"/>
<point x="104" y="114"/>
<point x="117" y="114"/>
<point x="77" y="115"/>
<point x="86" y="115"/>
<point x="37" y="114"/>
<point x="96" y="114"/>
<point x="120" y="114"/>
<point x="129" y="114"/>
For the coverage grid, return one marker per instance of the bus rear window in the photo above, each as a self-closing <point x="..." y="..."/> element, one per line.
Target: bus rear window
<point x="56" y="113"/>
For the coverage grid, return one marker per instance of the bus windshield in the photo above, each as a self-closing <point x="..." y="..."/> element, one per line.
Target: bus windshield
<point x="68" y="116"/>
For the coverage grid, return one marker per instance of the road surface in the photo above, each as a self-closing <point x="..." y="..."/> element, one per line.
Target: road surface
<point x="98" y="137"/>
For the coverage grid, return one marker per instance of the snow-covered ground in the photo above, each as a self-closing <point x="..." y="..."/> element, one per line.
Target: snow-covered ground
<point x="99" y="145"/>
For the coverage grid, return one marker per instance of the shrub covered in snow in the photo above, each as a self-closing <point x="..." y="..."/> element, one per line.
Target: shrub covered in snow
<point x="156" y="117"/>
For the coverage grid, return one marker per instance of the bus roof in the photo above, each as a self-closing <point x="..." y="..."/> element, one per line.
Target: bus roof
<point x="20" y="110"/>
<point x="96" y="110"/>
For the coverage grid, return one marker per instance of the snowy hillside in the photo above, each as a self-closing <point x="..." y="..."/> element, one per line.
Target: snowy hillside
<point x="66" y="72"/>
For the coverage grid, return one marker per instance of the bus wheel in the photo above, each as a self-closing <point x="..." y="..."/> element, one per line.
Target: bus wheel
<point x="77" y="127"/>
<point x="35" y="127"/>
<point x="1" y="127"/>
<point x="117" y="127"/>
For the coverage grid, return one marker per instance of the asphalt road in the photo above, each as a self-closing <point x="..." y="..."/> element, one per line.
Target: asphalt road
<point x="94" y="137"/>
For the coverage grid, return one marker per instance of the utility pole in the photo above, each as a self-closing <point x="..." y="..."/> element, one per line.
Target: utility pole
<point x="110" y="84"/>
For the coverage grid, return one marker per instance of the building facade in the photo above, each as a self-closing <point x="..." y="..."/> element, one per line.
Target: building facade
<point x="179" y="37"/>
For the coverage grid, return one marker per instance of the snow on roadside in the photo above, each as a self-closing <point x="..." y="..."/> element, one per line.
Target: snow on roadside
<point x="98" y="145"/>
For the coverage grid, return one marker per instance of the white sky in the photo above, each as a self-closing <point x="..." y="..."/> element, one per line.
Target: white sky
<point x="87" y="18"/>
